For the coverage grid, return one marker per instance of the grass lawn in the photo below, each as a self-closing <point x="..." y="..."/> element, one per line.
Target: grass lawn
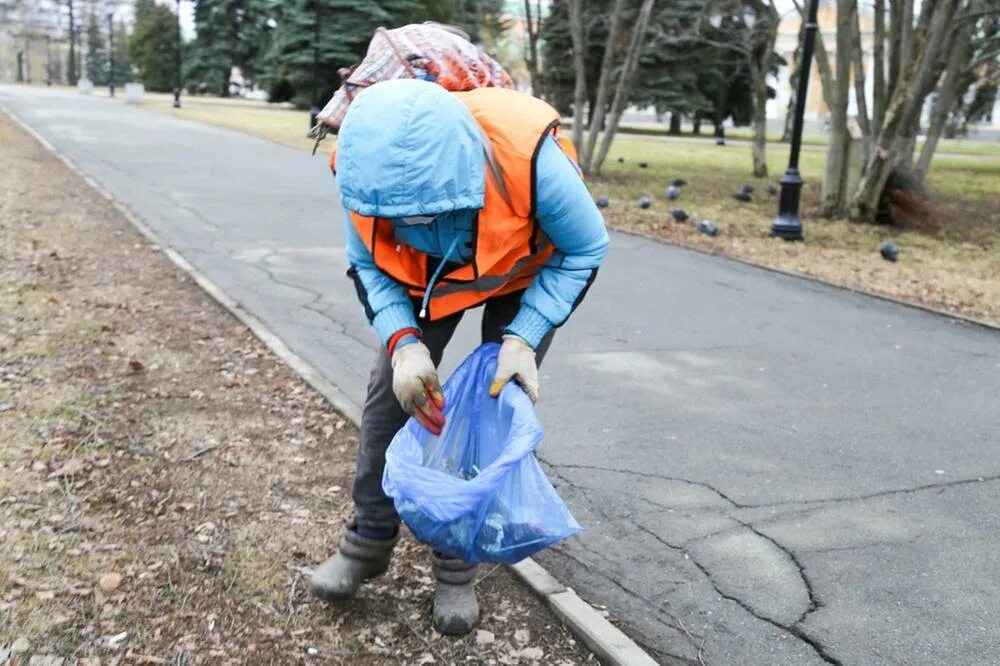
<point x="951" y="262"/>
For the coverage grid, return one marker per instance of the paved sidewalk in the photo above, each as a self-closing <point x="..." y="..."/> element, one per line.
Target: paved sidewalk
<point x="769" y="471"/>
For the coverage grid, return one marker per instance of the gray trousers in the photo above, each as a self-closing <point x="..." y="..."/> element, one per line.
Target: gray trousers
<point x="382" y="417"/>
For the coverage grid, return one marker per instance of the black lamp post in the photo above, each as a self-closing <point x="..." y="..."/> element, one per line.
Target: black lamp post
<point x="111" y="54"/>
<point x="180" y="80"/>
<point x="787" y="224"/>
<point x="314" y="109"/>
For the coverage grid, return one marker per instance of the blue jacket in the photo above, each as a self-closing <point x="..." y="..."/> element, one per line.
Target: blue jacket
<point x="410" y="148"/>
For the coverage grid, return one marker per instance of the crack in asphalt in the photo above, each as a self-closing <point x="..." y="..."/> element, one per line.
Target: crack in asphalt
<point x="312" y="305"/>
<point x="766" y="505"/>
<point x="815" y="603"/>
<point x="661" y="477"/>
<point x="792" y="629"/>
<point x="881" y="493"/>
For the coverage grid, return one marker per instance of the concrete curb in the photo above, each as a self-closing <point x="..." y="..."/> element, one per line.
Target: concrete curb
<point x="609" y="643"/>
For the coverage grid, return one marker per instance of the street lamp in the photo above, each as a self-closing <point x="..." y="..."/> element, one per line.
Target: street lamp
<point x="787" y="225"/>
<point x="111" y="54"/>
<point x="314" y="109"/>
<point x="180" y="80"/>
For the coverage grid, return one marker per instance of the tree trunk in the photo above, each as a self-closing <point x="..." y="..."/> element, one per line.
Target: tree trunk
<point x="531" y="59"/>
<point x="931" y="39"/>
<point x="626" y="82"/>
<point x="675" y="124"/>
<point x="938" y="39"/>
<point x="958" y="58"/>
<point x="759" y="60"/>
<point x="860" y="96"/>
<point x="895" y="28"/>
<point x="72" y="45"/>
<point x="603" y="85"/>
<point x="833" y="198"/>
<point x="793" y="81"/>
<point x="696" y="126"/>
<point x="905" y="33"/>
<point x="878" y="65"/>
<point x="760" y="132"/>
<point x="579" y="71"/>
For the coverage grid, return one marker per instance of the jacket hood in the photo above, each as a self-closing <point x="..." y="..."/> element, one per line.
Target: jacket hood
<point x="409" y="147"/>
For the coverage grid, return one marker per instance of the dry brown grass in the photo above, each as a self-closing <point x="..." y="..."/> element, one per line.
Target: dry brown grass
<point x="952" y="263"/>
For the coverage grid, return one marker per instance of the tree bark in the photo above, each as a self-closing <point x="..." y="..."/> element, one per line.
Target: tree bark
<point x="878" y="65"/>
<point x="958" y="59"/>
<point x="833" y="198"/>
<point x="675" y="124"/>
<point x="531" y="59"/>
<point x="860" y="95"/>
<point x="759" y="148"/>
<point x="696" y="126"/>
<point x="938" y="38"/>
<point x="625" y="83"/>
<point x="793" y="80"/>
<point x="895" y="65"/>
<point x="72" y="45"/>
<point x="579" y="71"/>
<point x="759" y="51"/>
<point x="906" y="32"/>
<point x="603" y="86"/>
<point x="931" y="38"/>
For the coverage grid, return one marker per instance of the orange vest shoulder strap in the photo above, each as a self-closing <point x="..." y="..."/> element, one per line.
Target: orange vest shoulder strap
<point x="516" y="123"/>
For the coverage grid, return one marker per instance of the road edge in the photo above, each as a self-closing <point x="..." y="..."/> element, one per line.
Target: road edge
<point x="930" y="309"/>
<point x="609" y="643"/>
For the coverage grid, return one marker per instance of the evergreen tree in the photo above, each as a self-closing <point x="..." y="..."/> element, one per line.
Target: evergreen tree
<point x="230" y="33"/>
<point x="120" y="60"/>
<point x="557" y="51"/>
<point x="153" y="45"/>
<point x="675" y="64"/>
<point x="483" y="20"/>
<point x="678" y="72"/>
<point x="97" y="52"/>
<point x="333" y="32"/>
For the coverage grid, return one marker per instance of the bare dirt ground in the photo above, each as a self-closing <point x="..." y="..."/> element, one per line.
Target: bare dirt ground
<point x="166" y="483"/>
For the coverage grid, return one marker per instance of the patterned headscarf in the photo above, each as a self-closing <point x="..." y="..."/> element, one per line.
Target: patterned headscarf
<point x="429" y="51"/>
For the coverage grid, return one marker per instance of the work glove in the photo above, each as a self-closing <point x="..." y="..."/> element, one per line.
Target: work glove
<point x="415" y="383"/>
<point x="516" y="361"/>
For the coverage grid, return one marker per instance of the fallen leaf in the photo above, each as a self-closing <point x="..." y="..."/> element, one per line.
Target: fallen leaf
<point x="270" y="633"/>
<point x="484" y="637"/>
<point x="20" y="581"/>
<point x="533" y="653"/>
<point x="522" y="637"/>
<point x="136" y="365"/>
<point x="71" y="467"/>
<point x="45" y="595"/>
<point x="109" y="582"/>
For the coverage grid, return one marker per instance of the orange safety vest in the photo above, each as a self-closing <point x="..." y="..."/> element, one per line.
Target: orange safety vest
<point x="510" y="248"/>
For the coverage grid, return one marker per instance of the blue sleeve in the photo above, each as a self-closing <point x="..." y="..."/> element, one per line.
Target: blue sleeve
<point x="386" y="303"/>
<point x="571" y="220"/>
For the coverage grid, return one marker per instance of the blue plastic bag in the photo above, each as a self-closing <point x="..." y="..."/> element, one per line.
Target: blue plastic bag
<point x="476" y="491"/>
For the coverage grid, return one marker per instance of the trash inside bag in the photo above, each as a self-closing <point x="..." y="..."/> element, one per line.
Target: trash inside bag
<point x="476" y="491"/>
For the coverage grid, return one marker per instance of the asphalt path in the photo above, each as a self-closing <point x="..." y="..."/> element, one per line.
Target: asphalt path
<point x="769" y="470"/>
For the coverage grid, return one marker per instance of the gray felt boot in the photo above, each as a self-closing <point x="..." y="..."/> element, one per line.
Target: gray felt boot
<point x="455" y="607"/>
<point x="357" y="560"/>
